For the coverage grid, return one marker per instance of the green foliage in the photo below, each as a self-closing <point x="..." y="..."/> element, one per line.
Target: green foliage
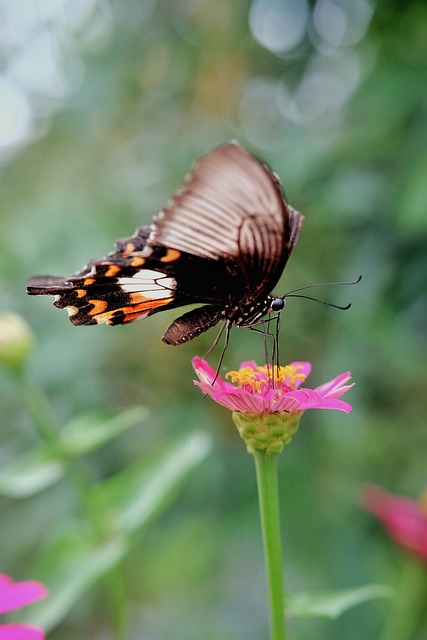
<point x="89" y="431"/>
<point x="332" y="604"/>
<point x="76" y="559"/>
<point x="30" y="473"/>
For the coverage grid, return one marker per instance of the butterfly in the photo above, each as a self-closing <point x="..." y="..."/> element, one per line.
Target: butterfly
<point x="222" y="240"/>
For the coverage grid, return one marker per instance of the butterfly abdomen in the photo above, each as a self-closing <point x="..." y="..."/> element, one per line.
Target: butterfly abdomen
<point x="192" y="324"/>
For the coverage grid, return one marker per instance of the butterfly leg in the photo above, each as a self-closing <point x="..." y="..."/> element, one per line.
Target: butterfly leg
<point x="274" y="360"/>
<point x="227" y="326"/>
<point x="215" y="342"/>
<point x="276" y="340"/>
<point x="266" y="354"/>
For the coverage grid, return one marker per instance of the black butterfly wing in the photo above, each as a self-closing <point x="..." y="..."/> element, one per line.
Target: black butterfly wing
<point x="224" y="237"/>
<point x="134" y="282"/>
<point x="231" y="208"/>
<point x="113" y="289"/>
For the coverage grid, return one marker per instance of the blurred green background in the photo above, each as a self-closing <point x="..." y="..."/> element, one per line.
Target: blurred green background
<point x="103" y="107"/>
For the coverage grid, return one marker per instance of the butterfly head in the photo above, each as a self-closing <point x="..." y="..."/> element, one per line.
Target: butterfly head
<point x="277" y="304"/>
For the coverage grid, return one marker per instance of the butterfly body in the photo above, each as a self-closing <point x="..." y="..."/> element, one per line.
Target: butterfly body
<point x="222" y="241"/>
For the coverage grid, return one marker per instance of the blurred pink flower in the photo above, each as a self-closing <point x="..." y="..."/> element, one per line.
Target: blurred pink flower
<point x="14" y="595"/>
<point x="404" y="520"/>
<point x="256" y="394"/>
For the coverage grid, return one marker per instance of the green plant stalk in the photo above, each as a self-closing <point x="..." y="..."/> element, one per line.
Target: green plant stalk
<point x="117" y="603"/>
<point x="410" y="603"/>
<point x="268" y="495"/>
<point x="37" y="406"/>
<point x="49" y="431"/>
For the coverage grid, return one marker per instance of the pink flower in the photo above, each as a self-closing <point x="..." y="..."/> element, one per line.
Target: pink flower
<point x="256" y="394"/>
<point x="268" y="402"/>
<point x="404" y="520"/>
<point x="14" y="595"/>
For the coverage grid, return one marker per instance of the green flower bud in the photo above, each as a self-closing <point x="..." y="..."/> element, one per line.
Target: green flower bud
<point x="16" y="341"/>
<point x="269" y="432"/>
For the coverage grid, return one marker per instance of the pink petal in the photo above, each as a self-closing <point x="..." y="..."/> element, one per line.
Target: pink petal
<point x="304" y="368"/>
<point x="336" y="393"/>
<point x="20" y="632"/>
<point x="309" y="399"/>
<point x="207" y="374"/>
<point x="301" y="395"/>
<point x="206" y="388"/>
<point x="330" y="387"/>
<point x="240" y="400"/>
<point x="326" y="403"/>
<point x="287" y="404"/>
<point x="4" y="579"/>
<point x="14" y="595"/>
<point x="402" y="518"/>
<point x="203" y="369"/>
<point x="248" y="363"/>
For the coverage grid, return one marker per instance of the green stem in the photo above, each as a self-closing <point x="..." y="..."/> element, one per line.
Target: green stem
<point x="117" y="603"/>
<point x="38" y="408"/>
<point x="49" y="431"/>
<point x="409" y="604"/>
<point x="268" y="494"/>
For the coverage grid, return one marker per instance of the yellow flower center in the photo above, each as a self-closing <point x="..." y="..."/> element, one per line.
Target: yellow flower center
<point x="259" y="378"/>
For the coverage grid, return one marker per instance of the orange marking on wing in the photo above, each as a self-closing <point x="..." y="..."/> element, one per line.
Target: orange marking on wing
<point x="137" y="262"/>
<point x="138" y="298"/>
<point x="88" y="281"/>
<point x="128" y="249"/>
<point x="80" y="293"/>
<point x="98" y="307"/>
<point x="134" y="310"/>
<point x="171" y="255"/>
<point x="144" y="307"/>
<point x="112" y="270"/>
<point x="147" y="305"/>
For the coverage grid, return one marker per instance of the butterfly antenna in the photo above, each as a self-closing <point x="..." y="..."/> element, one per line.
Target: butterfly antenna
<point x="321" y="284"/>
<point x="293" y="293"/>
<point x="328" y="304"/>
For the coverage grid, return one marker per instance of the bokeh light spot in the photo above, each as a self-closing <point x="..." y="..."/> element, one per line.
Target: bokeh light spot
<point x="15" y="116"/>
<point x="279" y="25"/>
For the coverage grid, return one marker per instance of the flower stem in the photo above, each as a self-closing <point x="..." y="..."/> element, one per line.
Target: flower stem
<point x="38" y="408"/>
<point x="266" y="470"/>
<point x="117" y="603"/>
<point x="409" y="604"/>
<point x="49" y="431"/>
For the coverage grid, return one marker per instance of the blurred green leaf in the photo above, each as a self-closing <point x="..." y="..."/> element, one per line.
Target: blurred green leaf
<point x="75" y="561"/>
<point x="138" y="492"/>
<point x="91" y="430"/>
<point x="68" y="568"/>
<point x="30" y="473"/>
<point x="333" y="603"/>
<point x="412" y="217"/>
